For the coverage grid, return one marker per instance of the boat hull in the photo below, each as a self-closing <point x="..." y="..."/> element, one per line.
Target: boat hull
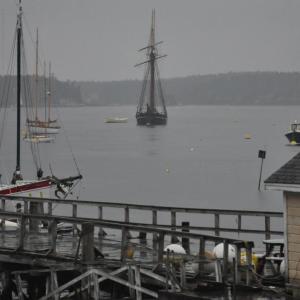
<point x="151" y="119"/>
<point x="116" y="120"/>
<point x="43" y="130"/>
<point x="293" y="137"/>
<point x="35" y="188"/>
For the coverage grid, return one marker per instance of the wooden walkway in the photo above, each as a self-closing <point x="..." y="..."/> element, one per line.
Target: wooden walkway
<point x="105" y="246"/>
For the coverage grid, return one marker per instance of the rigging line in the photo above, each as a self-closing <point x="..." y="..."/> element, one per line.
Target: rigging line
<point x="68" y="142"/>
<point x="27" y="95"/>
<point x="142" y="97"/>
<point x="160" y="89"/>
<point x="6" y="95"/>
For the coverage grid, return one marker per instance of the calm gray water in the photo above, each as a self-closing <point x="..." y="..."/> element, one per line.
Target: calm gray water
<point x="199" y="159"/>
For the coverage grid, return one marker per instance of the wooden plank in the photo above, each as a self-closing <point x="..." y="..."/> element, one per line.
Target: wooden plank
<point x="294" y="275"/>
<point x="125" y="283"/>
<point x="293" y="201"/>
<point x="53" y="235"/>
<point x="154" y="235"/>
<point x="66" y="285"/>
<point x="294" y="265"/>
<point x="293" y="229"/>
<point x="161" y="240"/>
<point x="225" y="261"/>
<point x="54" y="284"/>
<point x="19" y="287"/>
<point x="138" y="281"/>
<point x="294" y="256"/>
<point x="22" y="231"/>
<point x="292" y="220"/>
<point x="293" y="211"/>
<point x="96" y="292"/>
<point x="294" y="238"/>
<point x="217" y="224"/>
<point x="267" y="227"/>
<point x="88" y="254"/>
<point x="74" y="215"/>
<point x="294" y="247"/>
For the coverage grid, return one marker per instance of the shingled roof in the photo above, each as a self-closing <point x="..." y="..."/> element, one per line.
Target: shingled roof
<point x="286" y="176"/>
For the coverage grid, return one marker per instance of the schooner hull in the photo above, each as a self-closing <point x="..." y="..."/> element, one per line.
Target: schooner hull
<point x="151" y="119"/>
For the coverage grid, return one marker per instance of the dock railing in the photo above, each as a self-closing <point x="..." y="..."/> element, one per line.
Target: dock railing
<point x="265" y="216"/>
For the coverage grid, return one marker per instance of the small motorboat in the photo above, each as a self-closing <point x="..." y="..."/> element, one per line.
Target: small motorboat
<point x="293" y="135"/>
<point x="116" y="120"/>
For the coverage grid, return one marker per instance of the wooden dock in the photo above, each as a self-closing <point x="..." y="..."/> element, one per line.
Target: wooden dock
<point x="41" y="260"/>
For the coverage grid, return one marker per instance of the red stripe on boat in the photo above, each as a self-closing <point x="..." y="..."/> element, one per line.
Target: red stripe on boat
<point x="26" y="187"/>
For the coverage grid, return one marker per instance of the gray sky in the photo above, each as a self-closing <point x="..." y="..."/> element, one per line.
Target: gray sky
<point x="98" y="39"/>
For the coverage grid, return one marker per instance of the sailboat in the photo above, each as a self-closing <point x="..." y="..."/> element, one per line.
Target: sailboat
<point x="41" y="186"/>
<point x="36" y="126"/>
<point x="151" y="109"/>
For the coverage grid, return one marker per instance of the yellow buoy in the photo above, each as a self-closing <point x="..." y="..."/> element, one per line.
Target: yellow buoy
<point x="247" y="136"/>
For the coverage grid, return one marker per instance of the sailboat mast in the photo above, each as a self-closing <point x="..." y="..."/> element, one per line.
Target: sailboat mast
<point x="36" y="73"/>
<point x="19" y="38"/>
<point x="45" y="91"/>
<point x="49" y="92"/>
<point x="152" y="63"/>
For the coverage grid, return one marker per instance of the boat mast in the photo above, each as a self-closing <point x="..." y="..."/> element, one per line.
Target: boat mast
<point x="49" y="93"/>
<point x="45" y="91"/>
<point x="152" y="63"/>
<point x="19" y="38"/>
<point x="36" y="73"/>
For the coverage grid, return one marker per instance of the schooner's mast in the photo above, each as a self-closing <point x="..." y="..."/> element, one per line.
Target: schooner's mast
<point x="152" y="63"/>
<point x="19" y="40"/>
<point x="36" y="73"/>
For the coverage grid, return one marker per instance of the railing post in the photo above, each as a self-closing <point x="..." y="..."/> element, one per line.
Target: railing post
<point x="174" y="239"/>
<point x="160" y="251"/>
<point x="22" y="231"/>
<point x="185" y="241"/>
<point x="34" y="210"/>
<point x="126" y="218"/>
<point x="239" y="222"/>
<point x="2" y="223"/>
<point x="267" y="227"/>
<point x="52" y="229"/>
<point x="154" y="235"/>
<point x="124" y="244"/>
<point x="100" y="217"/>
<point x="88" y="253"/>
<point x="74" y="215"/>
<point x="50" y="211"/>
<point x="201" y="252"/>
<point x="138" y="282"/>
<point x="217" y="225"/>
<point x="248" y="263"/>
<point x="225" y="261"/>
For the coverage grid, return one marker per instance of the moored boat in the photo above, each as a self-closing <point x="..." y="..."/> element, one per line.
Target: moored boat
<point x="151" y="109"/>
<point x="293" y="135"/>
<point x="39" y="187"/>
<point x="116" y="120"/>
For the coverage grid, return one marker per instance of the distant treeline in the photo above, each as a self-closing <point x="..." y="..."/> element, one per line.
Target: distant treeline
<point x="246" y="88"/>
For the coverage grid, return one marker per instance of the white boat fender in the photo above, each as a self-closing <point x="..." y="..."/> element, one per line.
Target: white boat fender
<point x="218" y="251"/>
<point x="175" y="248"/>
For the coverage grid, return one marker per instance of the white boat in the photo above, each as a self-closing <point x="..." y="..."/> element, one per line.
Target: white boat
<point x="36" y="125"/>
<point x="39" y="187"/>
<point x="116" y="120"/>
<point x="39" y="138"/>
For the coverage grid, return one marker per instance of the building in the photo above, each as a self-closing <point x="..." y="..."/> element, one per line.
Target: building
<point x="287" y="180"/>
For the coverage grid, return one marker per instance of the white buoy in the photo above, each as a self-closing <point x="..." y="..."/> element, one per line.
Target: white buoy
<point x="175" y="248"/>
<point x="218" y="251"/>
